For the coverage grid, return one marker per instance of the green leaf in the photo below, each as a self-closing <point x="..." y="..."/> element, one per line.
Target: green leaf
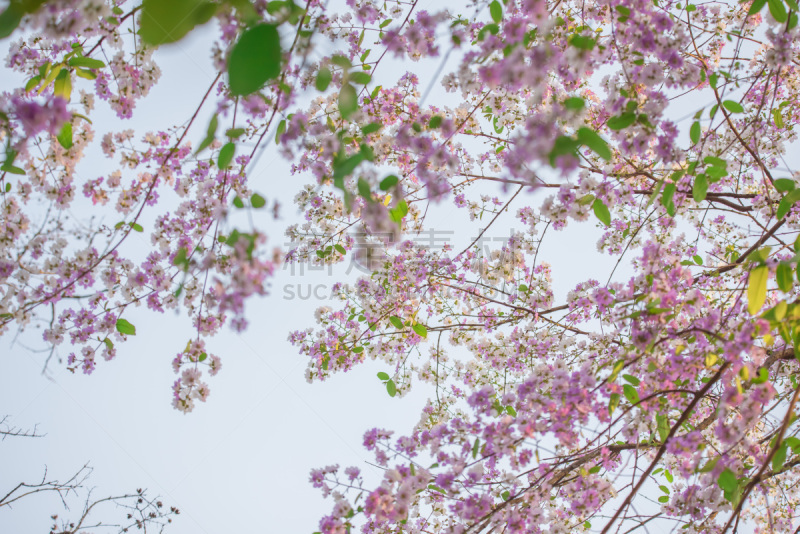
<point x="582" y="42"/>
<point x="757" y="289"/>
<point x="787" y="202"/>
<point x="700" y="188"/>
<point x="778" y="117"/>
<point x="435" y="488"/>
<point x="666" y="198"/>
<point x="777" y="10"/>
<point x="780" y="457"/>
<point x="10" y="19"/>
<point x="574" y="103"/>
<point x="763" y="376"/>
<point x="210" y="133"/>
<point x="257" y="201"/>
<point x="226" y="155"/>
<point x="663" y="427"/>
<point x="360" y="78"/>
<point x="33" y="83"/>
<point x="234" y="133"/>
<point x="279" y="131"/>
<point x="124" y="327"/>
<point x="563" y="145"/>
<point x="340" y="249"/>
<point x="255" y="59"/>
<point x="397" y="213"/>
<point x="476" y="447"/>
<point x="783" y="208"/>
<point x="591" y="139"/>
<point x="388" y="182"/>
<point x="348" y="101"/>
<point x="346" y="167"/>
<point x="137" y="227"/>
<point x="109" y="344"/>
<point x="371" y="128"/>
<point x="694" y="132"/>
<point x="86" y="74"/>
<point x="391" y="388"/>
<point x="435" y="121"/>
<point x="784" y="184"/>
<point x="715" y="173"/>
<point x="757" y="6"/>
<point x="7" y="167"/>
<point x="367" y="152"/>
<point x="396" y="321"/>
<point x="86" y="62"/>
<point x="716" y="162"/>
<point x="601" y="211"/>
<point x="631" y="379"/>
<point x="709" y="466"/>
<point x="324" y="77"/>
<point x="733" y="106"/>
<point x="494" y="29"/>
<point x="167" y="22"/>
<point x="181" y="258"/>
<point x="760" y="255"/>
<point x="727" y="481"/>
<point x="65" y="135"/>
<point x="630" y="393"/>
<point x="341" y="61"/>
<point x="785" y="277"/>
<point x="238" y="202"/>
<point x="51" y="75"/>
<point x="364" y="189"/>
<point x="420" y="330"/>
<point x="383" y="376"/>
<point x="621" y="121"/>
<point x="496" y="11"/>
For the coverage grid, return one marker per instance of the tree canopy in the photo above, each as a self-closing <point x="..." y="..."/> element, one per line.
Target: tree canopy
<point x="662" y="394"/>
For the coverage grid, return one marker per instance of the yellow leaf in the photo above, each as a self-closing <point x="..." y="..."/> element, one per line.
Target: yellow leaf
<point x="757" y="289"/>
<point x="739" y="385"/>
<point x="780" y="310"/>
<point x="745" y="373"/>
<point x="387" y="200"/>
<point x="711" y="359"/>
<point x="769" y="340"/>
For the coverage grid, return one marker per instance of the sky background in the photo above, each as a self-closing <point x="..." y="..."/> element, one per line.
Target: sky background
<point x="239" y="462"/>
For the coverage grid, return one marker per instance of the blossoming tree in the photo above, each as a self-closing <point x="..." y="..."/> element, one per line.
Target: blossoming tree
<point x="664" y="397"/>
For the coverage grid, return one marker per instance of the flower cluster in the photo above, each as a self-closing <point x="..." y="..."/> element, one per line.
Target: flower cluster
<point x="662" y="390"/>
